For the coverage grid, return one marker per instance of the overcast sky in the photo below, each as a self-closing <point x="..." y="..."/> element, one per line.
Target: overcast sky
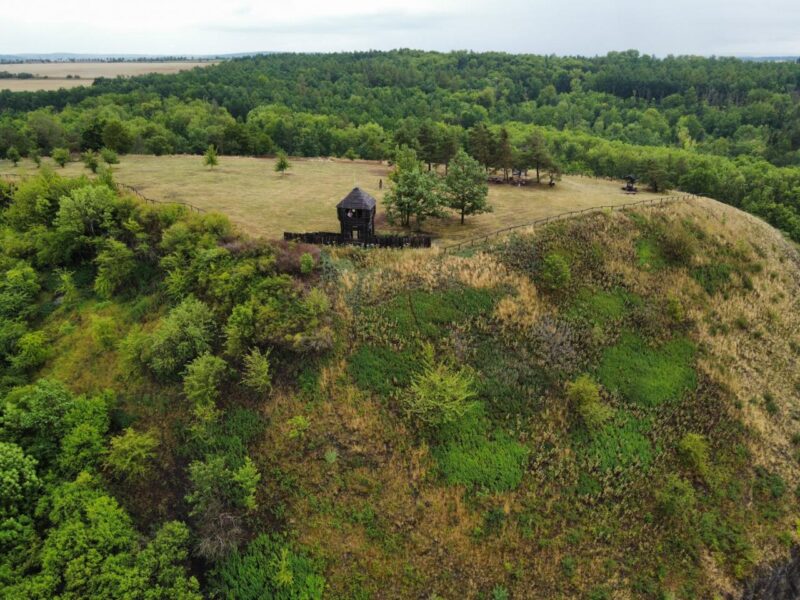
<point x="587" y="27"/>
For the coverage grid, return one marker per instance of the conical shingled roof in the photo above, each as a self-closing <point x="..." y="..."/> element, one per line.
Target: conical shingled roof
<point x="357" y="199"/>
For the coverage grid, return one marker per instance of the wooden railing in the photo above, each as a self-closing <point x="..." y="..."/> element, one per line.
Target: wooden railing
<point x="565" y="215"/>
<point x="141" y="196"/>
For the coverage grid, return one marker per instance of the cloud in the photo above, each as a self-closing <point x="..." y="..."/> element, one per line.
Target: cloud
<point x="359" y="24"/>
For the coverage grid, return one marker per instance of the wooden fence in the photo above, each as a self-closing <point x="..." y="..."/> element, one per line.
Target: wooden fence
<point x="141" y="196"/>
<point x="565" y="215"/>
<point x="327" y="238"/>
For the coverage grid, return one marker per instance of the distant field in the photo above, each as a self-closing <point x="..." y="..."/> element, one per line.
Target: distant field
<point x="87" y="72"/>
<point x="265" y="203"/>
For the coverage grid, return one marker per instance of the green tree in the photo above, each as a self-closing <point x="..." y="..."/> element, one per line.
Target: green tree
<point x="210" y="158"/>
<point x="115" y="266"/>
<point x="480" y="144"/>
<point x="61" y="156"/>
<point x="466" y="188"/>
<point x="184" y="334"/>
<point x="18" y="480"/>
<point x="503" y="155"/>
<point x="13" y="155"/>
<point x="131" y="454"/>
<point x="36" y="157"/>
<point x="413" y="191"/>
<point x="534" y="153"/>
<point x="203" y="377"/>
<point x="116" y="136"/>
<point x="282" y="163"/>
<point x="91" y="160"/>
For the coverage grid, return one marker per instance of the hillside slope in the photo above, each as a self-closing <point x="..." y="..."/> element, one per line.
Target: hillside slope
<point x="676" y="473"/>
<point x="606" y="407"/>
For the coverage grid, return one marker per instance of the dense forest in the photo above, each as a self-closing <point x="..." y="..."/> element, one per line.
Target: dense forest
<point x="714" y="126"/>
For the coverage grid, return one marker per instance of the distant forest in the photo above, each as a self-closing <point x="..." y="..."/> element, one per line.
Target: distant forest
<point x="724" y="127"/>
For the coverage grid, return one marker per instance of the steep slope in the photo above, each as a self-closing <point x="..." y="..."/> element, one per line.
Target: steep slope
<point x="633" y="431"/>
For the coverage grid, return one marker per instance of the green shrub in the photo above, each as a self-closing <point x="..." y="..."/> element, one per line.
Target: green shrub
<point x="677" y="245"/>
<point x="439" y="394"/>
<point x="61" y="156"/>
<point x="109" y="156"/>
<point x="298" y="425"/>
<point x="693" y="448"/>
<point x="202" y="379"/>
<point x="600" y="308"/>
<point x="131" y="454"/>
<point x="115" y="266"/>
<point x="104" y="331"/>
<point x="257" y="371"/>
<point x="91" y="160"/>
<point x="214" y="481"/>
<point x="306" y="263"/>
<point x="18" y="480"/>
<point x="648" y="254"/>
<point x="555" y="271"/>
<point x="495" y="465"/>
<point x="33" y="350"/>
<point x="429" y="313"/>
<point x="584" y="395"/>
<point x="184" y="334"/>
<point x="676" y="498"/>
<point x="269" y="568"/>
<point x="648" y="376"/>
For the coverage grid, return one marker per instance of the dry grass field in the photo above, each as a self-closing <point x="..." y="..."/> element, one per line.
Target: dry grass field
<point x="264" y="203"/>
<point x="56" y="73"/>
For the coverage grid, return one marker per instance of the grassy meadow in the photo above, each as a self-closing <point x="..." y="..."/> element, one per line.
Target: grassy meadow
<point x="265" y="203"/>
<point x="53" y="76"/>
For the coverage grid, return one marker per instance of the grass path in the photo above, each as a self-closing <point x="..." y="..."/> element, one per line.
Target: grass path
<point x="264" y="203"/>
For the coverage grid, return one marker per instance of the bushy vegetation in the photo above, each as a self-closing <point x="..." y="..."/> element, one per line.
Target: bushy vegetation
<point x="143" y="299"/>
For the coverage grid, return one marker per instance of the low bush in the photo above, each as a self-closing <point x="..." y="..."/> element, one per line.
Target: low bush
<point x="676" y="498"/>
<point x="555" y="271"/>
<point x="131" y="454"/>
<point x="584" y="395"/>
<point x="439" y="394"/>
<point x="268" y="568"/>
<point x="693" y="448"/>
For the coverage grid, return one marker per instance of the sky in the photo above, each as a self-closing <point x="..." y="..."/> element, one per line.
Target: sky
<point x="563" y="27"/>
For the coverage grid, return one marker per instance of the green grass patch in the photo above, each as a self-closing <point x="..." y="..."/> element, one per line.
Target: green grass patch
<point x="713" y="278"/>
<point x="621" y="443"/>
<point x="649" y="255"/>
<point x="472" y="454"/>
<point x="648" y="376"/>
<point x="430" y="312"/>
<point x="382" y="369"/>
<point x="600" y="308"/>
